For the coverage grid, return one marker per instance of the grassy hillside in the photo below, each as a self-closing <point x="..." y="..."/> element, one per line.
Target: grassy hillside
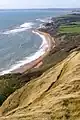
<point x="11" y="82"/>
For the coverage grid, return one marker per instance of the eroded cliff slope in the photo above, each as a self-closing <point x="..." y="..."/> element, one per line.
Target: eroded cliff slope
<point x="53" y="96"/>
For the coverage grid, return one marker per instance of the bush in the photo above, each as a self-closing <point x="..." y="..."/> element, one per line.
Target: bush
<point x="2" y="99"/>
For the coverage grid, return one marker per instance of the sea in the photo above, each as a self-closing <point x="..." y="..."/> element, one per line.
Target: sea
<point x="18" y="44"/>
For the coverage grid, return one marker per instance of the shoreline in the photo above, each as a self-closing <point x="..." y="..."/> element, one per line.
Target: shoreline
<point x="36" y="62"/>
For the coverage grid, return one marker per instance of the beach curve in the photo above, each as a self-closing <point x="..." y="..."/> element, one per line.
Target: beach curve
<point x="36" y="59"/>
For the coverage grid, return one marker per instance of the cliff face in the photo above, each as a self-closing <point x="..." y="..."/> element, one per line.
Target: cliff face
<point x="53" y="96"/>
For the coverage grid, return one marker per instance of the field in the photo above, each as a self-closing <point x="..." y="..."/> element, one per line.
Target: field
<point x="69" y="28"/>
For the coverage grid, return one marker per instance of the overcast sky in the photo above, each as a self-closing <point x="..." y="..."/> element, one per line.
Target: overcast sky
<point x="39" y="4"/>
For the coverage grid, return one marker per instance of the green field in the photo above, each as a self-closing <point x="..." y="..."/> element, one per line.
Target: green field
<point x="77" y="23"/>
<point x="69" y="29"/>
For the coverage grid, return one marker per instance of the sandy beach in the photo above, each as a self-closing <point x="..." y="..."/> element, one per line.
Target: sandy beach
<point x="36" y="60"/>
<point x="46" y="46"/>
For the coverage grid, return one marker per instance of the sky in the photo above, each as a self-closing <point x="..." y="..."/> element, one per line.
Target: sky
<point x="26" y="4"/>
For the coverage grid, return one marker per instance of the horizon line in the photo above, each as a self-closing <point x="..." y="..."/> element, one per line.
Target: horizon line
<point x="36" y="8"/>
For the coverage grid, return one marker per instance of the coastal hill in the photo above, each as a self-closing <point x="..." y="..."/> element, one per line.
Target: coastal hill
<point x="52" y="91"/>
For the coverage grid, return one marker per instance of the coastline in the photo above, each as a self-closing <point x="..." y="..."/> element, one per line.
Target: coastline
<point x="46" y="46"/>
<point x="35" y="62"/>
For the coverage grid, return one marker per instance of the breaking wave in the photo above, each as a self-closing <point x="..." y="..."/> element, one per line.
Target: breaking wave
<point x="44" y="20"/>
<point x="23" y="62"/>
<point x="21" y="28"/>
<point x="29" y="59"/>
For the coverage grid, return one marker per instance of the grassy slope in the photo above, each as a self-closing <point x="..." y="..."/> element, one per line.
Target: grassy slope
<point x="11" y="82"/>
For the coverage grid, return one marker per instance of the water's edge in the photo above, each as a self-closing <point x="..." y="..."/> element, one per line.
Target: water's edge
<point x="29" y="59"/>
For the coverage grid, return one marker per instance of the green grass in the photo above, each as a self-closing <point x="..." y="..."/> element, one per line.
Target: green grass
<point x="77" y="23"/>
<point x="69" y="29"/>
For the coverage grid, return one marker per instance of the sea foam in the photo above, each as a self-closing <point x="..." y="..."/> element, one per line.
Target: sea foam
<point x="45" y="20"/>
<point x="29" y="59"/>
<point x="41" y="20"/>
<point x="44" y="42"/>
<point x="21" y="28"/>
<point x="23" y="62"/>
<point x="27" y="25"/>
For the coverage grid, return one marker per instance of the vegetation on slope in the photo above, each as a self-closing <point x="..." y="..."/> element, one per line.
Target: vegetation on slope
<point x="69" y="29"/>
<point x="11" y="82"/>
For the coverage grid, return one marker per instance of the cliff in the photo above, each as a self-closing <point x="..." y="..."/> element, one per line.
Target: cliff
<point x="51" y="92"/>
<point x="53" y="96"/>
